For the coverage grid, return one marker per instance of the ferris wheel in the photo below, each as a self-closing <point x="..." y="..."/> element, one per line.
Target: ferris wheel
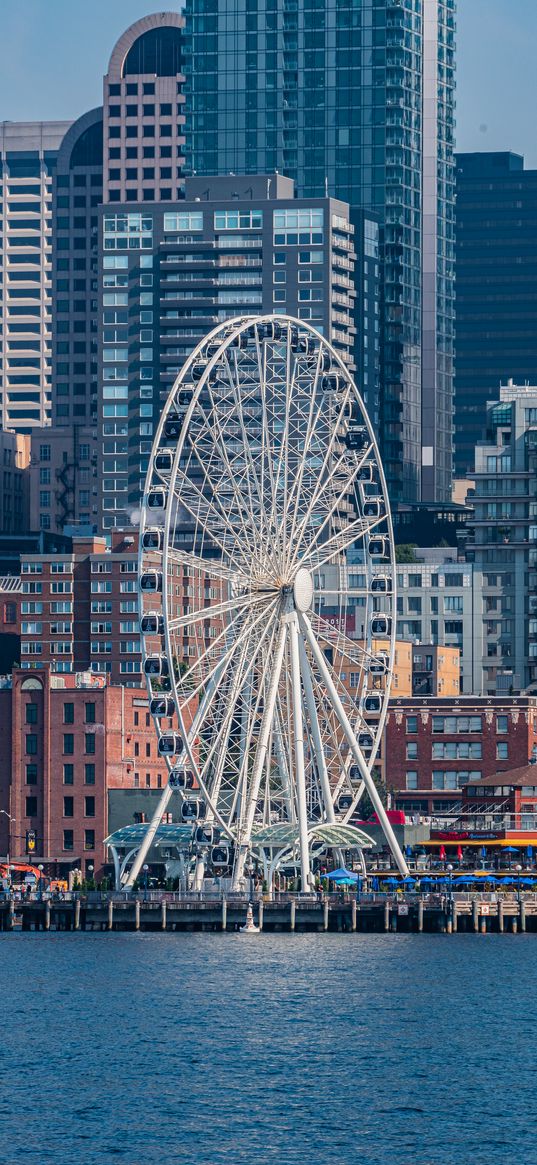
<point x="267" y="582"/>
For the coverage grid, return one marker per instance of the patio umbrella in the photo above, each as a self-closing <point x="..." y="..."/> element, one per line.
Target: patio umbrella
<point x="466" y="880"/>
<point x="391" y="881"/>
<point x="528" y="881"/>
<point x="409" y="880"/>
<point x="333" y="875"/>
<point x="510" y="849"/>
<point x="507" y="881"/>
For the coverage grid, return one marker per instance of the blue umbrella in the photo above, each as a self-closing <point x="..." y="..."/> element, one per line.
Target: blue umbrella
<point x="529" y="851"/>
<point x="511" y="849"/>
<point x="466" y="879"/>
<point x="527" y="881"/>
<point x="409" y="880"/>
<point x="333" y="875"/>
<point x="507" y="881"/>
<point x="391" y="881"/>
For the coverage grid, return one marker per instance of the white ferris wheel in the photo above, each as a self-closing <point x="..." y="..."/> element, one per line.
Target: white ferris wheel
<point x="267" y="600"/>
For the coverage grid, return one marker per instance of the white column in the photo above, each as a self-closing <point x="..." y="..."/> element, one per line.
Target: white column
<point x="300" y="775"/>
<point x="316" y="731"/>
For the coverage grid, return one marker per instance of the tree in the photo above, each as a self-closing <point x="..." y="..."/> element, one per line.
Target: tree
<point x="406" y="552"/>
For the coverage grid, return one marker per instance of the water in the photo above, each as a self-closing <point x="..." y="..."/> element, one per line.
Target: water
<point x="290" y="1049"/>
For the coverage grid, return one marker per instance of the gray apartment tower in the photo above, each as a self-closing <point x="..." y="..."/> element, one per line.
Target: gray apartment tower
<point x="355" y="100"/>
<point x="171" y="272"/>
<point x="28" y="158"/>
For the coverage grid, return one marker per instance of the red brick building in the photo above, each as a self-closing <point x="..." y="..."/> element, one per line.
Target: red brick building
<point x="79" y="608"/>
<point x="435" y="747"/>
<point x="64" y="743"/>
<point x="508" y="799"/>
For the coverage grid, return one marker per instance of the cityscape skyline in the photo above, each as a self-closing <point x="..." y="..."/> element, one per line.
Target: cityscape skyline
<point x="488" y="41"/>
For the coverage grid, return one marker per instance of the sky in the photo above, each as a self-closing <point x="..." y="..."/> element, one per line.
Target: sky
<point x="53" y="54"/>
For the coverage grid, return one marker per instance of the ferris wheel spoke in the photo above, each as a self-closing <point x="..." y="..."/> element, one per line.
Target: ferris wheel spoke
<point x="203" y="512"/>
<point x="337" y="544"/>
<point x="221" y="732"/>
<point x="204" y="663"/>
<point x="325" y="497"/>
<point x="210" y="566"/>
<point x="238" y="602"/>
<point x="200" y="774"/>
<point x="218" y="434"/>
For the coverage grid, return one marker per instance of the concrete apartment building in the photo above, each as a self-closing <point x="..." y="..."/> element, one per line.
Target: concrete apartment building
<point x="14" y="482"/>
<point x="170" y="273"/>
<point x="503" y="542"/>
<point x="439" y="602"/>
<point x="28" y="158"/>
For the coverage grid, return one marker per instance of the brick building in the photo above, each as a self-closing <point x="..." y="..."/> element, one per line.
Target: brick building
<point x="79" y="608"/>
<point x="67" y="740"/>
<point x="435" y="747"/>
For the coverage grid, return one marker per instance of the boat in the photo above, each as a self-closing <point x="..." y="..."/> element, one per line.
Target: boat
<point x="249" y="926"/>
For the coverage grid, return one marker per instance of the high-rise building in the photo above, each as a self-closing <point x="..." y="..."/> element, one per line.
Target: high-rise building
<point x="355" y="101"/>
<point x="504" y="542"/>
<point x="28" y="157"/>
<point x="496" y="284"/>
<point x="169" y="273"/>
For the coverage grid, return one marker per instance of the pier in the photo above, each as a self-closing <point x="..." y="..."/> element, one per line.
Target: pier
<point x="162" y="911"/>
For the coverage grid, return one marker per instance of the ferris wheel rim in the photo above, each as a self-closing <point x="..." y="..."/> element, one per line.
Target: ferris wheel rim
<point x="223" y="335"/>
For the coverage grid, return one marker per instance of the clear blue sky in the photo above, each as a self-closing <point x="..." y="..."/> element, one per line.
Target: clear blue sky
<point x="53" y="54"/>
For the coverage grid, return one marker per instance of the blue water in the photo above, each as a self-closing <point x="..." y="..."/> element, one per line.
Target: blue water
<point x="292" y="1049"/>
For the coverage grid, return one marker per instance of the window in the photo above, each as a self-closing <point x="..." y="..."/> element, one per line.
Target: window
<point x="412" y="750"/>
<point x="89" y="806"/>
<point x="502" y="750"/>
<point x="89" y="743"/>
<point x="69" y="774"/>
<point x="31" y="713"/>
<point x="68" y="807"/>
<point x="89" y="713"/>
<point x="31" y="774"/>
<point x="502" y="724"/>
<point x="412" y="724"/>
<point x="191" y="221"/>
<point x="31" y="744"/>
<point x="68" y="713"/>
<point x="89" y="774"/>
<point x="68" y="839"/>
<point x="31" y="806"/>
<point x="89" y="839"/>
<point x="68" y="744"/>
<point x="411" y="779"/>
<point x="230" y="220"/>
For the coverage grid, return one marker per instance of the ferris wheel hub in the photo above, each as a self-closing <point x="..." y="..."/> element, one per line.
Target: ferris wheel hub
<point x="303" y="589"/>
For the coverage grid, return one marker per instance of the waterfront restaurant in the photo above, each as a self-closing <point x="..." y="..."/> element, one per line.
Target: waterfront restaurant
<point x="497" y="813"/>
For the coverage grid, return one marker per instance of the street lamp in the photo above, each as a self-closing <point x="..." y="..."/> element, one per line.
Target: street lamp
<point x="11" y="820"/>
<point x="449" y="868"/>
<point x="90" y="868"/>
<point x="145" y="868"/>
<point x="40" y="868"/>
<point x="518" y="873"/>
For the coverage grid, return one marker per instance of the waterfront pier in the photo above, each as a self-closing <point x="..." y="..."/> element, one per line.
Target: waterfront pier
<point x="162" y="911"/>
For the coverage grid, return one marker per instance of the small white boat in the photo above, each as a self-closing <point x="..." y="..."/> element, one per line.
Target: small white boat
<point x="249" y="926"/>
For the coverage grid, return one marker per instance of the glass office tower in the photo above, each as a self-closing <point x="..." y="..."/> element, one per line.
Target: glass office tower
<point x="353" y="100"/>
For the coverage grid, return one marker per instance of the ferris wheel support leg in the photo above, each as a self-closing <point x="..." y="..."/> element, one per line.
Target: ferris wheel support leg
<point x="149" y="837"/>
<point x="298" y="728"/>
<point x="264" y="736"/>
<point x="353" y="745"/>
<point x="315" y="731"/>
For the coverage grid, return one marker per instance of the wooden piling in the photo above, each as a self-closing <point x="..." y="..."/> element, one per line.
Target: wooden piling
<point x="224" y="914"/>
<point x="260" y="916"/>
<point x="77" y="914"/>
<point x="500" y="916"/>
<point x="420" y="916"/>
<point x="386" y="915"/>
<point x="325" y="914"/>
<point x="522" y="911"/>
<point x="353" y="914"/>
<point x="47" y="915"/>
<point x="137" y="914"/>
<point x="163" y="914"/>
<point x="475" y="914"/>
<point x="292" y="920"/>
<point x="110" y="921"/>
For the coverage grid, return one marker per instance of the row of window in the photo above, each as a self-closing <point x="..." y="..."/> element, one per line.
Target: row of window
<point x="453" y="725"/>
<point x="440" y="779"/>
<point x="68" y="713"/>
<point x="68" y="774"/>
<point x="68" y="744"/>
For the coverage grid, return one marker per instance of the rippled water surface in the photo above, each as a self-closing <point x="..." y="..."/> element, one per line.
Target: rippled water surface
<point x="295" y="1049"/>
